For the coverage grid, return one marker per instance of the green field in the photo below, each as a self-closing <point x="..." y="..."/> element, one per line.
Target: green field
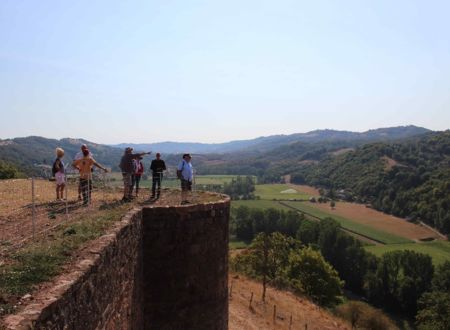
<point x="349" y="224"/>
<point x="260" y="204"/>
<point x="279" y="191"/>
<point x="116" y="180"/>
<point x="215" y="179"/>
<point x="438" y="250"/>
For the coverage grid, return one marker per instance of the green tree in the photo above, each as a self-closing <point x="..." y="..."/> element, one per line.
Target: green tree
<point x="308" y="232"/>
<point x="9" y="171"/>
<point x="400" y="279"/>
<point x="243" y="223"/>
<point x="434" y="313"/>
<point x="441" y="279"/>
<point x="270" y="257"/>
<point x="311" y="275"/>
<point x="434" y="306"/>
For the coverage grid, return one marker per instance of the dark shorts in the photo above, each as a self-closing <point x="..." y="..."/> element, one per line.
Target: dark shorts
<point x="186" y="185"/>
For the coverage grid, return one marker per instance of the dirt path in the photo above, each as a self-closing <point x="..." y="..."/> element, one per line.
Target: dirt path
<point x="260" y="316"/>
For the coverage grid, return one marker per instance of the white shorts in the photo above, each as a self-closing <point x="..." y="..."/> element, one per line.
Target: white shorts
<point x="60" y="178"/>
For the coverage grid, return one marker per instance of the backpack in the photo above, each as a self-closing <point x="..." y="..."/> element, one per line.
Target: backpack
<point x="179" y="176"/>
<point x="55" y="168"/>
<point x="139" y="168"/>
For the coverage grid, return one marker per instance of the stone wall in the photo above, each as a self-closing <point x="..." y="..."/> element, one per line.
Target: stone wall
<point x="185" y="267"/>
<point x="99" y="291"/>
<point x="158" y="268"/>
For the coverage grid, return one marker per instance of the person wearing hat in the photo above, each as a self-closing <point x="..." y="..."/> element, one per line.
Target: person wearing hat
<point x="158" y="166"/>
<point x="185" y="173"/>
<point x="80" y="155"/>
<point x="127" y="168"/>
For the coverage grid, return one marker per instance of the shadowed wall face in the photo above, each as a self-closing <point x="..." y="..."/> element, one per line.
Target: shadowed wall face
<point x="185" y="267"/>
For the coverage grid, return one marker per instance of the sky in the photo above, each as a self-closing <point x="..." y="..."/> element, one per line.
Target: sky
<point x="214" y="71"/>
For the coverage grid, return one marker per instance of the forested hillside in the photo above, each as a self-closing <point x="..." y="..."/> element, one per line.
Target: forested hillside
<point x="31" y="155"/>
<point x="407" y="179"/>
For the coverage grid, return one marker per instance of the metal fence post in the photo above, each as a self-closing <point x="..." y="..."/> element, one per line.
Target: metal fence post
<point x="66" y="187"/>
<point x="89" y="190"/>
<point x="194" y="189"/>
<point x="33" y="200"/>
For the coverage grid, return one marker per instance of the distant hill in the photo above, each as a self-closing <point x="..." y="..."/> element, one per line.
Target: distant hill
<point x="270" y="142"/>
<point x="34" y="154"/>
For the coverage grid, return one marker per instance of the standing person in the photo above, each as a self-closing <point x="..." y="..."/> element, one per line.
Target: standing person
<point x="58" y="171"/>
<point x="185" y="173"/>
<point x="127" y="168"/>
<point x="80" y="155"/>
<point x="85" y="166"/>
<point x="158" y="166"/>
<point x="138" y="171"/>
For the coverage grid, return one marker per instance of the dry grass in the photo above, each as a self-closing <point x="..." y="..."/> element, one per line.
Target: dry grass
<point x="358" y="213"/>
<point x="260" y="316"/>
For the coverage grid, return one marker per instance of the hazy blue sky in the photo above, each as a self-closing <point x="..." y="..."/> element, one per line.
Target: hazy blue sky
<point x="213" y="71"/>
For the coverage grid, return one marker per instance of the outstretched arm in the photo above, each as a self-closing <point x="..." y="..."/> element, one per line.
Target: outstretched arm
<point x="100" y="166"/>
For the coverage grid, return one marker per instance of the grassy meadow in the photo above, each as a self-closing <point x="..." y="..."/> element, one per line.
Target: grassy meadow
<point x="438" y="250"/>
<point x="172" y="182"/>
<point x="279" y="192"/>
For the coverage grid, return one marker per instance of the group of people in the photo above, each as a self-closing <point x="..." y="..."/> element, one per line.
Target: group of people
<point x="132" y="171"/>
<point x="84" y="163"/>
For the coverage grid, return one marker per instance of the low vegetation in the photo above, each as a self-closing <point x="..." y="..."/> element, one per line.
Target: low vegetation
<point x="42" y="260"/>
<point x="9" y="171"/>
<point x="363" y="316"/>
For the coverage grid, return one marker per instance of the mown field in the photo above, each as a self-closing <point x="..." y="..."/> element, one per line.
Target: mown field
<point x="397" y="233"/>
<point x="279" y="192"/>
<point x="382" y="236"/>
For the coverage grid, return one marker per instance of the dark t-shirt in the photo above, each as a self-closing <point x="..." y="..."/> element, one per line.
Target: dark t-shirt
<point x="126" y="163"/>
<point x="157" y="166"/>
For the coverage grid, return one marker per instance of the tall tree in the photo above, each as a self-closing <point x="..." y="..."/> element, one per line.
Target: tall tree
<point x="311" y="275"/>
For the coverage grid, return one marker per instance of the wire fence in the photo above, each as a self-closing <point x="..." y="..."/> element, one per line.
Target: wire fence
<point x="30" y="207"/>
<point x="277" y="314"/>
